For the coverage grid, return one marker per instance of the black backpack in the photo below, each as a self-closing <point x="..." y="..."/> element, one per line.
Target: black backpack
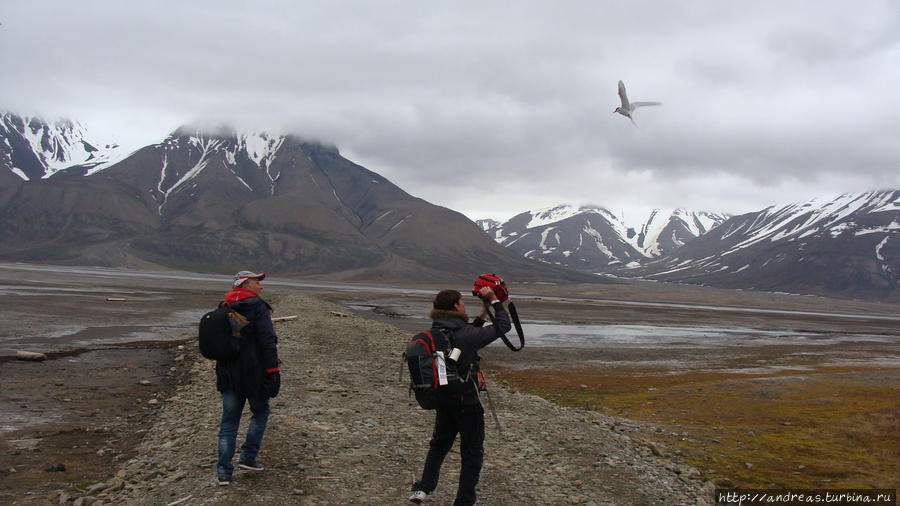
<point x="432" y="374"/>
<point x="220" y="333"/>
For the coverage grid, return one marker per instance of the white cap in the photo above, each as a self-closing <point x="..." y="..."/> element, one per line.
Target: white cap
<point x="242" y="276"/>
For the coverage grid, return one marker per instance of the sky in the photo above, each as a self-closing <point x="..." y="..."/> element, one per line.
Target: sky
<point x="494" y="108"/>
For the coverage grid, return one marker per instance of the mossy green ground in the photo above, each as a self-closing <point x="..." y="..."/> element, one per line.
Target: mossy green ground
<point x="825" y="427"/>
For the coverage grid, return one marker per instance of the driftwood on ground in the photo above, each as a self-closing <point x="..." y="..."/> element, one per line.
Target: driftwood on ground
<point x="30" y="356"/>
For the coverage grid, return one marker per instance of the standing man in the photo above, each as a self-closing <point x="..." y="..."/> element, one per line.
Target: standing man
<point x="460" y="412"/>
<point x="252" y="377"/>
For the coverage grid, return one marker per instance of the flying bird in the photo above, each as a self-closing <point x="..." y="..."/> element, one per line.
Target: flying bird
<point x="627" y="108"/>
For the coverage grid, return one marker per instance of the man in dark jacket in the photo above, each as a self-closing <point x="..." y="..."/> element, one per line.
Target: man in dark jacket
<point x="460" y="412"/>
<point x="252" y="377"/>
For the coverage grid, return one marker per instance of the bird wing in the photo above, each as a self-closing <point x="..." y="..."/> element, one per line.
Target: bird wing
<point x="622" y="96"/>
<point x="641" y="104"/>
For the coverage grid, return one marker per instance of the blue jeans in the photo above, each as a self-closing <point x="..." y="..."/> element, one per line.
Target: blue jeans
<point x="232" y="407"/>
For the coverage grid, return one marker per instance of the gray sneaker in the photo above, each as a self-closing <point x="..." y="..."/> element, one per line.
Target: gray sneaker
<point x="224" y="481"/>
<point x="250" y="465"/>
<point x="417" y="496"/>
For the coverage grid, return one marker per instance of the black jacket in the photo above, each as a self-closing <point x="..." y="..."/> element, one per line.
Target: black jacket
<point x="259" y="351"/>
<point x="470" y="338"/>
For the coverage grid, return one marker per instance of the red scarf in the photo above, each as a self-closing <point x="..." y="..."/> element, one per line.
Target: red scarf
<point x="238" y="294"/>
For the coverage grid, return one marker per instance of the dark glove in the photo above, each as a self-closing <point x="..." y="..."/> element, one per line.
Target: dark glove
<point x="272" y="382"/>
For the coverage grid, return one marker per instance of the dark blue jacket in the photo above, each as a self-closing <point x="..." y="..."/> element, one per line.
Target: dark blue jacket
<point x="259" y="351"/>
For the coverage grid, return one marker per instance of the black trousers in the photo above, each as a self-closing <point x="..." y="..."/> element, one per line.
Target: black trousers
<point x="467" y="420"/>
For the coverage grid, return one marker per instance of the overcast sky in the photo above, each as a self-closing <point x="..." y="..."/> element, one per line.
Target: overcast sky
<point x="493" y="108"/>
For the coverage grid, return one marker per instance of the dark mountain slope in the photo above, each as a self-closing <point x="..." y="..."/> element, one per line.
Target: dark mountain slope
<point x="226" y="201"/>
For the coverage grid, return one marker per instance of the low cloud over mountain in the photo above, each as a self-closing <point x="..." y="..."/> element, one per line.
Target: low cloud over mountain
<point x="226" y="200"/>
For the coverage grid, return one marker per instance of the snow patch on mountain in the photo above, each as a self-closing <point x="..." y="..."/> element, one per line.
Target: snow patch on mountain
<point x="233" y="148"/>
<point x="56" y="146"/>
<point x="207" y="146"/>
<point x="815" y="216"/>
<point x="842" y="244"/>
<point x="17" y="171"/>
<point x="262" y="148"/>
<point x="668" y="229"/>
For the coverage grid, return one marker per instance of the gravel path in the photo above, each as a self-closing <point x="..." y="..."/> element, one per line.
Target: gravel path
<point x="344" y="431"/>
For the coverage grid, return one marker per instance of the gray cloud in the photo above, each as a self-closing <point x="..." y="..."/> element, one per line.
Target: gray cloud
<point x="763" y="103"/>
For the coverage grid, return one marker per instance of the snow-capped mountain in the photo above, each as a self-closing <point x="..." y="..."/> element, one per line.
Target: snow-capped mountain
<point x="667" y="230"/>
<point x="32" y="148"/>
<point x="847" y="245"/>
<point x="191" y="161"/>
<point x="594" y="238"/>
<point x="487" y="224"/>
<point x="225" y="200"/>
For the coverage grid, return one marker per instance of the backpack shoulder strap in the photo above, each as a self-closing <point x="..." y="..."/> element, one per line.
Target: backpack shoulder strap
<point x="471" y="367"/>
<point x="448" y="334"/>
<point x="426" y="338"/>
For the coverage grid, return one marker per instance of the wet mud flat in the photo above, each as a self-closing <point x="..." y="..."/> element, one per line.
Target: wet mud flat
<point x="70" y="419"/>
<point x="110" y="346"/>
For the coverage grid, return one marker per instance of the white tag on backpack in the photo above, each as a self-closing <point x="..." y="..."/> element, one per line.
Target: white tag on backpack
<point x="441" y="368"/>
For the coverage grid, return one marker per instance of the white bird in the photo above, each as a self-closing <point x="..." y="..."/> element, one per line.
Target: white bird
<point x="627" y="108"/>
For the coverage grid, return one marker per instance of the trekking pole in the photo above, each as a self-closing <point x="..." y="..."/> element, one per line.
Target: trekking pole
<point x="490" y="403"/>
<point x="493" y="411"/>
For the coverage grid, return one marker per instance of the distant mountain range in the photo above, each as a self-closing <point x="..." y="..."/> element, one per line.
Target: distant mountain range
<point x="225" y="200"/>
<point x="848" y="246"/>
<point x="595" y="239"/>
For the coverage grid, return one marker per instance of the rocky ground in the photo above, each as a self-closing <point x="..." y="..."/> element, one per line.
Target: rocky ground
<point x="344" y="431"/>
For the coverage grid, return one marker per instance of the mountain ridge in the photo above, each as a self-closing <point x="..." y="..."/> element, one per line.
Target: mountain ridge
<point x="848" y="245"/>
<point x="593" y="238"/>
<point x="843" y="246"/>
<point x="33" y="148"/>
